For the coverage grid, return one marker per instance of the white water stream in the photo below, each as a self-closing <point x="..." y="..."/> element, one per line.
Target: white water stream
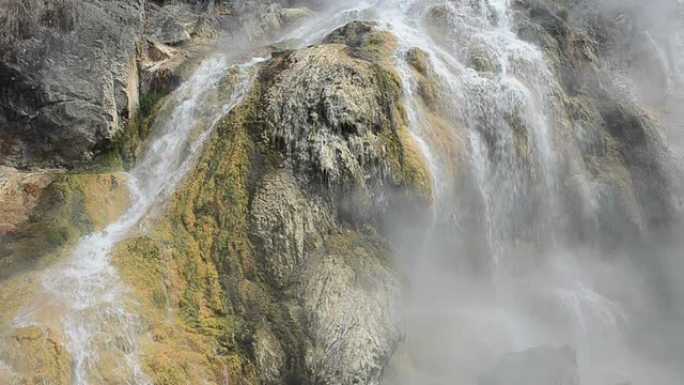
<point x="507" y="214"/>
<point x="510" y="214"/>
<point x="85" y="290"/>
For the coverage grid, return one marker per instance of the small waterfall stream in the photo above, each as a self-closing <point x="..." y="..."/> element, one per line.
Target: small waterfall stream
<point x="497" y="275"/>
<point x="84" y="292"/>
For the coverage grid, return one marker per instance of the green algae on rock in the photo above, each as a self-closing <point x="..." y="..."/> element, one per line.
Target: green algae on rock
<point x="58" y="208"/>
<point x="226" y="278"/>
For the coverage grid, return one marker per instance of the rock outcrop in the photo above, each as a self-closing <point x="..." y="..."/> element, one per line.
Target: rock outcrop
<point x="266" y="256"/>
<point x="76" y="75"/>
<point x="69" y="82"/>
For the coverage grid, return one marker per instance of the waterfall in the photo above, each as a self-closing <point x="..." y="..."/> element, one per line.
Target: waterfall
<point x="84" y="292"/>
<point x="500" y="270"/>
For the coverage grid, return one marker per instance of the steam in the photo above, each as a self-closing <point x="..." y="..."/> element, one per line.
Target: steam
<point x="485" y="302"/>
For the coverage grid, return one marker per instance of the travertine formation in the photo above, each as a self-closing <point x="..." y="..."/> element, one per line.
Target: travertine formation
<point x="273" y="262"/>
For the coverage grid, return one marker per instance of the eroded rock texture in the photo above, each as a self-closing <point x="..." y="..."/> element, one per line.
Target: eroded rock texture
<point x="273" y="243"/>
<point x="74" y="75"/>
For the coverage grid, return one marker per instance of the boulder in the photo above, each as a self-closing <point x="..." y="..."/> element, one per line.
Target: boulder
<point x="73" y="73"/>
<point x="346" y="102"/>
<point x="352" y="302"/>
<point x="68" y="86"/>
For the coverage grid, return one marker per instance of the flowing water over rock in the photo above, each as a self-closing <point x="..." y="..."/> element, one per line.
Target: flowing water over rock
<point x="502" y="269"/>
<point x="88" y="304"/>
<point x="510" y="270"/>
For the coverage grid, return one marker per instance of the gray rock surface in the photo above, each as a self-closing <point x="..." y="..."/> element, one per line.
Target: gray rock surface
<point x="337" y="132"/>
<point x="72" y="73"/>
<point x="68" y="87"/>
<point x="352" y="302"/>
<point x="357" y="144"/>
<point x="287" y="226"/>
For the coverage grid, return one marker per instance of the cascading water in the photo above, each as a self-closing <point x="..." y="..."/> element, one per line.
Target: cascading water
<point x="504" y="219"/>
<point x="85" y="294"/>
<point x="495" y="275"/>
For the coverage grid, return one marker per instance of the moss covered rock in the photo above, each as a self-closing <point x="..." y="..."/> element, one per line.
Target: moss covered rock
<point x="44" y="212"/>
<point x="243" y="278"/>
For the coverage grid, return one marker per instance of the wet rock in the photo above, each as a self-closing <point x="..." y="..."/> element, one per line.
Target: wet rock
<point x="287" y="226"/>
<point x="418" y="59"/>
<point x="482" y="58"/>
<point x="349" y="109"/>
<point x="538" y="366"/>
<point x="351" y="299"/>
<point x="333" y="117"/>
<point x="276" y="248"/>
<point x="365" y="40"/>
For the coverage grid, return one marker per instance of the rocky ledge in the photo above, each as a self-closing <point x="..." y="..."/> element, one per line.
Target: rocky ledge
<point x="76" y="76"/>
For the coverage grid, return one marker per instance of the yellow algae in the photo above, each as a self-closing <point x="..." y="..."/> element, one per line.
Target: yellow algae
<point x="36" y="357"/>
<point x="105" y="196"/>
<point x="176" y="269"/>
<point x="73" y="205"/>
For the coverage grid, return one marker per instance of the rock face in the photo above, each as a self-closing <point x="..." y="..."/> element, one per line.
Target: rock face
<point x="75" y="74"/>
<point x="343" y="108"/>
<point x="352" y="304"/>
<point x="69" y="86"/>
<point x="311" y="295"/>
<point x="594" y="53"/>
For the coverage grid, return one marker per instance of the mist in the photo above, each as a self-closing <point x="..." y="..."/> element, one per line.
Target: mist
<point x="653" y="45"/>
<point x="546" y="246"/>
<point x="504" y="285"/>
<point x="529" y="270"/>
